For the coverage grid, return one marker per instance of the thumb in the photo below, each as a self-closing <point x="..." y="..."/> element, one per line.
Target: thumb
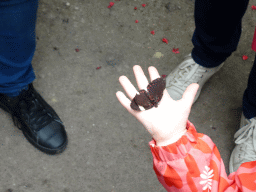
<point x="190" y="93"/>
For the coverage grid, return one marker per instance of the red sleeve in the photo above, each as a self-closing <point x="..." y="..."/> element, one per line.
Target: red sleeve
<point x="194" y="163"/>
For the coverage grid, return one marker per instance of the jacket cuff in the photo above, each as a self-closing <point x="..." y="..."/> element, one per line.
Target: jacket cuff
<point x="177" y="150"/>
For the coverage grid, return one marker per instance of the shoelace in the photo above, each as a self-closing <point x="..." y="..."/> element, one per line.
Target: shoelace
<point x="178" y="85"/>
<point x="247" y="136"/>
<point x="32" y="111"/>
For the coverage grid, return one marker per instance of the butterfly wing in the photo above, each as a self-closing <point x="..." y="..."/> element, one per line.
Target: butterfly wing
<point x="155" y="90"/>
<point x="134" y="105"/>
<point x="150" y="98"/>
<point x="142" y="100"/>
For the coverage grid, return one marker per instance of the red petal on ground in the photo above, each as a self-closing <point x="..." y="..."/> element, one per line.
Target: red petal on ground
<point x="136" y="21"/>
<point x="143" y="5"/>
<point x="165" y="40"/>
<point x="98" y="67"/>
<point x="245" y="57"/>
<point x="77" y="50"/>
<point x="153" y="32"/>
<point x="175" y="50"/>
<point x="111" y="4"/>
<point x="135" y="8"/>
<point x="163" y="76"/>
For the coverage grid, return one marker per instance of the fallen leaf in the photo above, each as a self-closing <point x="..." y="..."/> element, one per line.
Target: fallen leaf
<point x="165" y="40"/>
<point x="158" y="55"/>
<point x="153" y="32"/>
<point x="136" y="21"/>
<point x="245" y="57"/>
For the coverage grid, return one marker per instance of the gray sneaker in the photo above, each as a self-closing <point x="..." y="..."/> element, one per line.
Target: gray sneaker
<point x="186" y="73"/>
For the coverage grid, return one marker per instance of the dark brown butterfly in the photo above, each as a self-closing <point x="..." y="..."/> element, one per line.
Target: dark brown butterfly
<point x="152" y="97"/>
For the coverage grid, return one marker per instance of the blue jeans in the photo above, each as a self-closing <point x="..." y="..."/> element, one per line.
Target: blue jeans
<point x="217" y="33"/>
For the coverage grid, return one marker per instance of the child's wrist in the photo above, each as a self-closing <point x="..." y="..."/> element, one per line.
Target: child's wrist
<point x="174" y="139"/>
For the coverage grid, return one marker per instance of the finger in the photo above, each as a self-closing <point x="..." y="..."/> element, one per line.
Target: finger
<point x="142" y="83"/>
<point x="153" y="73"/>
<point x="141" y="79"/>
<point x="190" y="94"/>
<point x="122" y="99"/>
<point x="128" y="87"/>
<point x="125" y="102"/>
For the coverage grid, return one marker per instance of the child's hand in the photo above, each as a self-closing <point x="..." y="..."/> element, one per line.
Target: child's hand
<point x="169" y="119"/>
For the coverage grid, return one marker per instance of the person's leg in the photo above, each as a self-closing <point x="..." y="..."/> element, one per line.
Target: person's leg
<point x="17" y="44"/>
<point x="218" y="30"/>
<point x="249" y="98"/>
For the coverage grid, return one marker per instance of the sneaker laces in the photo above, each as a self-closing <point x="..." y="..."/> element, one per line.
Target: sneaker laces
<point x="247" y="136"/>
<point x="180" y="83"/>
<point x="34" y="114"/>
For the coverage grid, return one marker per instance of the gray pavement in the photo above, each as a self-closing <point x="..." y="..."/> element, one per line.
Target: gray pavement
<point x="108" y="148"/>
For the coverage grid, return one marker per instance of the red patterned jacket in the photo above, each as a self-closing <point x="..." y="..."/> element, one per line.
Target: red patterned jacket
<point x="194" y="163"/>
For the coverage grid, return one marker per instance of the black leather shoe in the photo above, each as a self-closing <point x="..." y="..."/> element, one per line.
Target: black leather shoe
<point x="37" y="120"/>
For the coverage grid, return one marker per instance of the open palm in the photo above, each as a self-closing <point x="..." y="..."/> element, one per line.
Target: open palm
<point x="166" y="121"/>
